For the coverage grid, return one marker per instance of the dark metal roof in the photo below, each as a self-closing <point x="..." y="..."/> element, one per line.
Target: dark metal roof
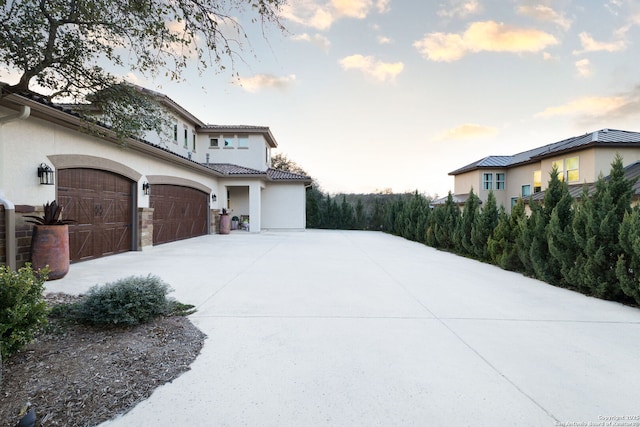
<point x="603" y="137"/>
<point x="487" y="162"/>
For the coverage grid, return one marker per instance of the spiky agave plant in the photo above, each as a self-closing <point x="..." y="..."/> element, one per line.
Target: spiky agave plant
<point x="51" y="215"/>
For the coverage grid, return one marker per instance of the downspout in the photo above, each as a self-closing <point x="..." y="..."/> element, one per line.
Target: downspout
<point x="10" y="230"/>
<point x="24" y="113"/>
<point x="9" y="207"/>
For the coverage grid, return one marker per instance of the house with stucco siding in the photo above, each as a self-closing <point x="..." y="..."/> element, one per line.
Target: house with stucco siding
<point x="138" y="193"/>
<point x="580" y="159"/>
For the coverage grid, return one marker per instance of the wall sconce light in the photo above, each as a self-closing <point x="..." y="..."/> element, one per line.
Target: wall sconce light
<point x="46" y="174"/>
<point x="214" y="198"/>
<point x="146" y="189"/>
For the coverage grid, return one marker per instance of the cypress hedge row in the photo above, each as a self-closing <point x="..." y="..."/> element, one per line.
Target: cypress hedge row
<point x="590" y="244"/>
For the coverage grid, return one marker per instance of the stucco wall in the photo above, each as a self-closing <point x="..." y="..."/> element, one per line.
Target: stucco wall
<point x="28" y="143"/>
<point x="253" y="156"/>
<point x="284" y="206"/>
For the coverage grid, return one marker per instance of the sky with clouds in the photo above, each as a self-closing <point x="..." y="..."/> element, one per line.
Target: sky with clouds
<point x="369" y="95"/>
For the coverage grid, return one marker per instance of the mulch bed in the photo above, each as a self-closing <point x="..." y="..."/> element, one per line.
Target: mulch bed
<point x="77" y="375"/>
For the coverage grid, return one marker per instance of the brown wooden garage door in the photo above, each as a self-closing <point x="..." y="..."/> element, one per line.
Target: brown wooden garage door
<point x="102" y="204"/>
<point x="178" y="213"/>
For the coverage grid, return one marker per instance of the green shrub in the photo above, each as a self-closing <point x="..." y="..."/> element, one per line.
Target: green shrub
<point x="128" y="301"/>
<point x="22" y="307"/>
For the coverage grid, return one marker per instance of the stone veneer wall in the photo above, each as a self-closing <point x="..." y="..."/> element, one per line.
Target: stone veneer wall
<point x="215" y="221"/>
<point x="145" y="228"/>
<point x="24" y="230"/>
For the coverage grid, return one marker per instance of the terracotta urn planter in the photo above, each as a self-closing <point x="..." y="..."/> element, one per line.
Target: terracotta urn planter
<point x="50" y="247"/>
<point x="50" y="241"/>
<point x="225" y="223"/>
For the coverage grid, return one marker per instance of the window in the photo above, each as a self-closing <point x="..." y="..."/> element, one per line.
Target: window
<point x="537" y="181"/>
<point x="573" y="169"/>
<point x="487" y="181"/>
<point x="175" y="134"/>
<point x="186" y="139"/>
<point x="500" y="181"/>
<point x="213" y="143"/>
<point x="193" y="140"/>
<point x="559" y="165"/>
<point x="243" y="142"/>
<point x="228" y="142"/>
<point x="526" y="190"/>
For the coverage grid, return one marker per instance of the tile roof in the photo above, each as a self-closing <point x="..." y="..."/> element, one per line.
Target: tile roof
<point x="229" y="169"/>
<point x="603" y="137"/>
<point x="279" y="175"/>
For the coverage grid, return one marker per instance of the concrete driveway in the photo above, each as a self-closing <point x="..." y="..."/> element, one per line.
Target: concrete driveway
<point x="334" y="328"/>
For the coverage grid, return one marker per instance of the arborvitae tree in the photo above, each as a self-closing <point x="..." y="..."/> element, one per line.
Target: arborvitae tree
<point x="390" y="213"/>
<point x="581" y="218"/>
<point x="628" y="264"/>
<point x="546" y="267"/>
<point x="377" y="215"/>
<point x="483" y="227"/>
<point x="524" y="237"/>
<point x="361" y="219"/>
<point x="423" y="220"/>
<point x="445" y="223"/>
<point x="414" y="218"/>
<point x="562" y="244"/>
<point x="399" y="219"/>
<point x="346" y="217"/>
<point x="331" y="215"/>
<point x="502" y="244"/>
<point x="609" y="203"/>
<point x="314" y="214"/>
<point x="464" y="245"/>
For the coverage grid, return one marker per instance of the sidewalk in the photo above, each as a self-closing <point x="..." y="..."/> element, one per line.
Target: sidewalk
<point x="335" y="328"/>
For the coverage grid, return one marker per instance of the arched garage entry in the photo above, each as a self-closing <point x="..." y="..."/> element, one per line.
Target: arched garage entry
<point x="103" y="205"/>
<point x="179" y="212"/>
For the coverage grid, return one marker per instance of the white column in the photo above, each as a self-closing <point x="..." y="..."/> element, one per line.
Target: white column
<point x="255" y="207"/>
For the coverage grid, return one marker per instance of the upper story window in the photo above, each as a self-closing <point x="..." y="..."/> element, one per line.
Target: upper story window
<point x="526" y="190"/>
<point x="213" y="143"/>
<point x="193" y="140"/>
<point x="559" y="165"/>
<point x="537" y="181"/>
<point x="243" y="142"/>
<point x="487" y="181"/>
<point x="500" y="181"/>
<point x="228" y="142"/>
<point x="175" y="134"/>
<point x="186" y="137"/>
<point x="573" y="169"/>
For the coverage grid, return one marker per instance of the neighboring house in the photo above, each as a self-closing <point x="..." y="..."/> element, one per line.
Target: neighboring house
<point x="141" y="193"/>
<point x="579" y="160"/>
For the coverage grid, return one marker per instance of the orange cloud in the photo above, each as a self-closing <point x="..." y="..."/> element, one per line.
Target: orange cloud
<point x="545" y="14"/>
<point x="584" y="68"/>
<point x="588" y="105"/>
<point x="261" y="81"/>
<point x="373" y="68"/>
<point x="317" y="39"/>
<point x="486" y="36"/>
<point x="466" y="131"/>
<point x="461" y="9"/>
<point x="589" y="44"/>
<point x="321" y="16"/>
